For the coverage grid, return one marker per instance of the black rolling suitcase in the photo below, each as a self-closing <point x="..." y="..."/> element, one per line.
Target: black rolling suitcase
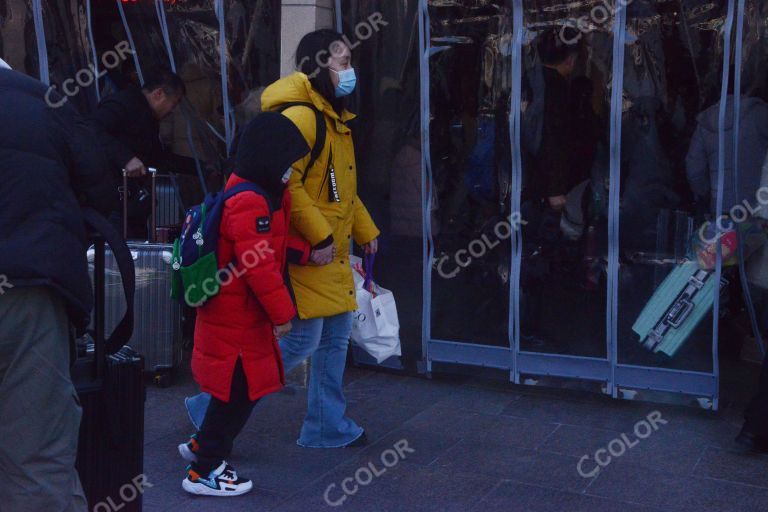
<point x="109" y="380"/>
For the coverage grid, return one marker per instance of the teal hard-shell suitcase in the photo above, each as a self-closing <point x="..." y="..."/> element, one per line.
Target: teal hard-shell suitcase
<point x="679" y="304"/>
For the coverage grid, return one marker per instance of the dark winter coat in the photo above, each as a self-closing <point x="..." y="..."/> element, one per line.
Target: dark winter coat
<point x="127" y="128"/>
<point x="48" y="168"/>
<point x="554" y="159"/>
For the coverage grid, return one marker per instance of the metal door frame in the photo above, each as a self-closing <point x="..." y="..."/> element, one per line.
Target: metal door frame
<point x="617" y="377"/>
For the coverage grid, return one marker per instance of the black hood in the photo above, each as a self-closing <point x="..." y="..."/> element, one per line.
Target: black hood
<point x="269" y="145"/>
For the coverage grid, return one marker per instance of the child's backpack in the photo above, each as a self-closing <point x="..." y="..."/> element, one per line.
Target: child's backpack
<point x="196" y="275"/>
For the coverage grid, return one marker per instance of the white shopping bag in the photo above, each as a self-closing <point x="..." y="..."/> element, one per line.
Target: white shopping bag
<point x="375" y="327"/>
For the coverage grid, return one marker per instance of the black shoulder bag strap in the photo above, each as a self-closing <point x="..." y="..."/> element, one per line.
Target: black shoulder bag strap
<point x="320" y="133"/>
<point x="124" y="330"/>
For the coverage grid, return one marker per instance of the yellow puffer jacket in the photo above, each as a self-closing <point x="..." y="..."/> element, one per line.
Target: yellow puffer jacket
<point x="328" y="290"/>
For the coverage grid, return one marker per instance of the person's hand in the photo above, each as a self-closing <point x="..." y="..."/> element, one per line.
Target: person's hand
<point x="282" y="330"/>
<point x="557" y="203"/>
<point x="135" y="168"/>
<point x="372" y="247"/>
<point x="323" y="256"/>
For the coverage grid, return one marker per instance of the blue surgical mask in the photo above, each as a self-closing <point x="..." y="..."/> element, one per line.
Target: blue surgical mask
<point x="347" y="82"/>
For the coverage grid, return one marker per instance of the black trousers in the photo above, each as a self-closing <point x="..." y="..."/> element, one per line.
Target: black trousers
<point x="223" y="423"/>
<point x="757" y="412"/>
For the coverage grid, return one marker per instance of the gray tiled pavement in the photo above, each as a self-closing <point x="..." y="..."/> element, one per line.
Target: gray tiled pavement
<point x="479" y="447"/>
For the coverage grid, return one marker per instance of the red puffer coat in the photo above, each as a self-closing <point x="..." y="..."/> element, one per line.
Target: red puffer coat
<point x="239" y="321"/>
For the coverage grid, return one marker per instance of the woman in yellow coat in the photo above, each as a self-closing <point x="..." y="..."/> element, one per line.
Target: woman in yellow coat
<point x="329" y="214"/>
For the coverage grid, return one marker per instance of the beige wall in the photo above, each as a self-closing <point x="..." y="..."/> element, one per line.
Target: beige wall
<point x="298" y="18"/>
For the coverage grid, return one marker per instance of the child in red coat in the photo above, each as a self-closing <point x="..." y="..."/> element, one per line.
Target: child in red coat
<point x="236" y="356"/>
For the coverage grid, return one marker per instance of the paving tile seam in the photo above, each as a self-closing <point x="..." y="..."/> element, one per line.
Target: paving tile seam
<point x="732" y="482"/>
<point x="565" y="424"/>
<point x="701" y="456"/>
<point x="623" y="502"/>
<point x="671" y="474"/>
<point x="733" y="451"/>
<point x="548" y="437"/>
<point x="447" y="406"/>
<point x="480" y="500"/>
<point x="493" y="447"/>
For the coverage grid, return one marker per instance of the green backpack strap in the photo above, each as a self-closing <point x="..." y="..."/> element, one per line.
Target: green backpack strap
<point x="320" y="133"/>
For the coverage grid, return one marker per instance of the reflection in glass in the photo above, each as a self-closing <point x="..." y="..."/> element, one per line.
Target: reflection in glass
<point x="750" y="184"/>
<point x="564" y="138"/>
<point x="17" y="37"/>
<point x="388" y="150"/>
<point x="670" y="120"/>
<point x="471" y="161"/>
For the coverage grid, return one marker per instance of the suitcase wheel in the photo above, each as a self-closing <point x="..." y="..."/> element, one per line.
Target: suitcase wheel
<point x="163" y="379"/>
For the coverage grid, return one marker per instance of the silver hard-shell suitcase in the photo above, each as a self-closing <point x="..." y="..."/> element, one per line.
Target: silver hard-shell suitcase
<point x="157" y="318"/>
<point x="157" y="333"/>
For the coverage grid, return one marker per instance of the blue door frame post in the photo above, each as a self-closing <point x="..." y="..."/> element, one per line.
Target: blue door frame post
<point x="229" y="120"/>
<point x="722" y="123"/>
<point x="42" y="49"/>
<point x="339" y="17"/>
<point x="516" y="240"/>
<point x="162" y="20"/>
<point x="426" y="187"/>
<point x="617" y="97"/>
<point x="738" y="55"/>
<point x="129" y="35"/>
<point x="94" y="53"/>
<point x="616" y="376"/>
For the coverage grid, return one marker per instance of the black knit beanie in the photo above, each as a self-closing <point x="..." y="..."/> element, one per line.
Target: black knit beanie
<point x="268" y="146"/>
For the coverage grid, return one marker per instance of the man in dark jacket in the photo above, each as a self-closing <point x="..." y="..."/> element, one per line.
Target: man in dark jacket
<point x="47" y="171"/>
<point x="128" y="125"/>
<point x="554" y="160"/>
<point x="548" y="137"/>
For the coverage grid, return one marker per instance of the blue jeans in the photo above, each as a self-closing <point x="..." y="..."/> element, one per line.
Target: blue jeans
<point x="326" y="340"/>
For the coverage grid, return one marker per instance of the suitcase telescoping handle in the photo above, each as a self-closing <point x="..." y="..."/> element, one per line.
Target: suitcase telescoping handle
<point x="153" y="197"/>
<point x="125" y="204"/>
<point x="153" y="218"/>
<point x="99" y="294"/>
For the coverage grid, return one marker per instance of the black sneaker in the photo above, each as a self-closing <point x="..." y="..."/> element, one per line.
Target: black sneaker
<point x="222" y="481"/>
<point x="748" y="442"/>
